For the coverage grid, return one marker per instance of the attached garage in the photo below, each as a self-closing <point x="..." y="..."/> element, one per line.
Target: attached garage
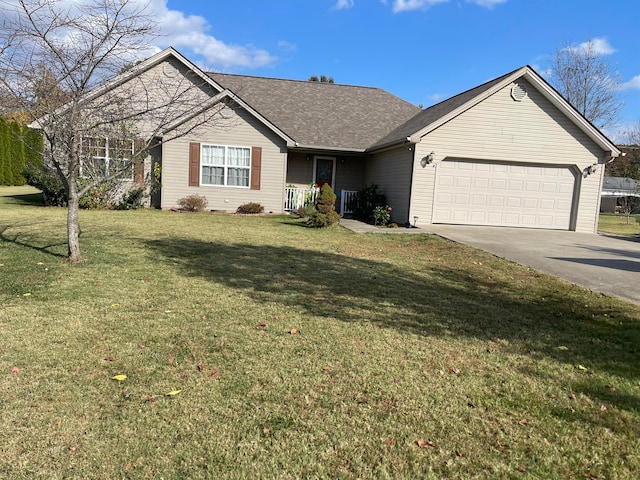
<point x="504" y="194"/>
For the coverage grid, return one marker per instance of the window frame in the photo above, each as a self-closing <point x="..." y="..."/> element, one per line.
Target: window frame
<point x="107" y="159"/>
<point x="225" y="166"/>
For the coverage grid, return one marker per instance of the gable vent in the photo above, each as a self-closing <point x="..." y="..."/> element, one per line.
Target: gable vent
<point x="518" y="92"/>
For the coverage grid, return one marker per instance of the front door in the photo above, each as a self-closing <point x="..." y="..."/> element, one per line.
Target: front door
<point x="324" y="171"/>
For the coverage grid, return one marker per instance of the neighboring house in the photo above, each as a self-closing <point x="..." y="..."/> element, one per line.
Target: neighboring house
<point x="510" y="152"/>
<point x="618" y="193"/>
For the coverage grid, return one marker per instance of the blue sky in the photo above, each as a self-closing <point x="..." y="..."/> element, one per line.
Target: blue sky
<point x="421" y="50"/>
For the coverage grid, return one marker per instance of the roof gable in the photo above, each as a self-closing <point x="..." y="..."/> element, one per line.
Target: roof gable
<point x="435" y="116"/>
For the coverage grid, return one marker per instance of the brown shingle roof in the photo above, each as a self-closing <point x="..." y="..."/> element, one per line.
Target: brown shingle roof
<point x="326" y="115"/>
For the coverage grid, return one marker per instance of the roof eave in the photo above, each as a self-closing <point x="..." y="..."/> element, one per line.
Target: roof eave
<point x="327" y="148"/>
<point x="549" y="93"/>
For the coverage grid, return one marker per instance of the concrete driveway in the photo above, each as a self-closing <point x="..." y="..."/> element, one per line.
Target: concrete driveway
<point x="601" y="263"/>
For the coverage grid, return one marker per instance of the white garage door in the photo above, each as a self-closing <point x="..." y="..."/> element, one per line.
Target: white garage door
<point x="504" y="194"/>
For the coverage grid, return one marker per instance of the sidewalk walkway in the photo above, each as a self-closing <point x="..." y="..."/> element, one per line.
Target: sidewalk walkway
<point x="361" y="227"/>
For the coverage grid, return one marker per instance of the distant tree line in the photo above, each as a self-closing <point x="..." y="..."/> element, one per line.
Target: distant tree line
<point x="321" y="79"/>
<point x="20" y="150"/>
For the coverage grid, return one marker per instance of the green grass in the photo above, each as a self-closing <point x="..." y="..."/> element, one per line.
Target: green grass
<point x="617" y="224"/>
<point x="501" y="371"/>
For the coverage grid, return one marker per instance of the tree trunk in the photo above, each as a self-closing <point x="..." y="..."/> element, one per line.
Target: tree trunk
<point x="73" y="224"/>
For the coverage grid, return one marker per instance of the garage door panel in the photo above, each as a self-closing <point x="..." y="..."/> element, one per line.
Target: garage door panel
<point x="486" y="193"/>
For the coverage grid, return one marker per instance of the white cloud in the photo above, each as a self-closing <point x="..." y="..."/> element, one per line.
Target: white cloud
<point x="487" y="3"/>
<point x="597" y="46"/>
<point x="342" y="4"/>
<point x="633" y="84"/>
<point x="287" y="46"/>
<point x="192" y="33"/>
<point x="407" y="5"/>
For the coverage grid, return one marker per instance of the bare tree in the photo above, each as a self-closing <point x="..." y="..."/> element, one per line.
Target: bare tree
<point x="582" y="76"/>
<point x="62" y="62"/>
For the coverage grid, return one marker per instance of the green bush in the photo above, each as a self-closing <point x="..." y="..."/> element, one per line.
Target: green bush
<point x="132" y="200"/>
<point x="193" y="203"/>
<point x="368" y="199"/>
<point x="98" y="197"/>
<point x="47" y="181"/>
<point x="307" y="211"/>
<point x="250" y="208"/>
<point x="325" y="214"/>
<point x="382" y="215"/>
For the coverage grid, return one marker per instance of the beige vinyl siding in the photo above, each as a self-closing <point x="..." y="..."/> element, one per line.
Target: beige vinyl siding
<point x="241" y="130"/>
<point x="299" y="169"/>
<point x="391" y="171"/>
<point x="349" y="173"/>
<point x="501" y="129"/>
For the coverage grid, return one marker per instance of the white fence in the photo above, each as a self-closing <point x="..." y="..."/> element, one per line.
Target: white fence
<point x="296" y="198"/>
<point x="347" y="199"/>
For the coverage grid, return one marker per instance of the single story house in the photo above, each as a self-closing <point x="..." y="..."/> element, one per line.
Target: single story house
<point x="510" y="152"/>
<point x="616" y="193"/>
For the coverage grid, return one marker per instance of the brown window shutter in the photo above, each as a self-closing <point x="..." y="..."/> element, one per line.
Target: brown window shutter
<point x="256" y="164"/>
<point x="138" y="161"/>
<point x="194" y="164"/>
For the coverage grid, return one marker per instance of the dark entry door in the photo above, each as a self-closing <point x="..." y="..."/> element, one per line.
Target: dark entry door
<point x="324" y="171"/>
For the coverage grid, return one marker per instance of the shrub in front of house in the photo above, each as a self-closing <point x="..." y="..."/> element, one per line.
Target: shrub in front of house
<point x="367" y="200"/>
<point x="325" y="214"/>
<point x="49" y="183"/>
<point x="250" y="208"/>
<point x="193" y="203"/>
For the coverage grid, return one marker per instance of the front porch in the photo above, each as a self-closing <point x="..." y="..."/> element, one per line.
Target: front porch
<point x="307" y="171"/>
<point x="298" y="197"/>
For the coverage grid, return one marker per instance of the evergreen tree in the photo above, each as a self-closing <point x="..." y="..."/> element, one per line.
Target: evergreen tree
<point x="4" y="154"/>
<point x="16" y="153"/>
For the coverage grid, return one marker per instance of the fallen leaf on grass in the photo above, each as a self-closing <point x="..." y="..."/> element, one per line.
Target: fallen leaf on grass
<point x="454" y="370"/>
<point x="15" y="370"/>
<point x="459" y="454"/>
<point x="200" y="367"/>
<point x="603" y="408"/>
<point x="388" y="442"/>
<point x="172" y="393"/>
<point x="26" y="294"/>
<point x="428" y="443"/>
<point x="522" y="469"/>
<point x="215" y="374"/>
<point x="265" y="431"/>
<point x="150" y="399"/>
<point x="262" y="324"/>
<point x="115" y="304"/>
<point x="119" y="378"/>
<point x="110" y="358"/>
<point x="610" y="388"/>
<point x="583" y="368"/>
<point x="562" y="347"/>
<point x="126" y="394"/>
<point x="293" y="331"/>
<point x="97" y="284"/>
<point x="524" y="421"/>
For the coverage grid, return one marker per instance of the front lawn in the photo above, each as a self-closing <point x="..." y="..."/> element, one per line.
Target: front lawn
<point x="617" y="224"/>
<point x="300" y="353"/>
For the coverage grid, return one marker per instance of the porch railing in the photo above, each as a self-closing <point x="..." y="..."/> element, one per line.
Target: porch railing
<point x="347" y="200"/>
<point x="296" y="197"/>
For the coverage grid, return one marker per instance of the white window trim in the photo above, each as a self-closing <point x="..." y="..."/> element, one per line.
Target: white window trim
<point x="225" y="166"/>
<point x="106" y="159"/>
